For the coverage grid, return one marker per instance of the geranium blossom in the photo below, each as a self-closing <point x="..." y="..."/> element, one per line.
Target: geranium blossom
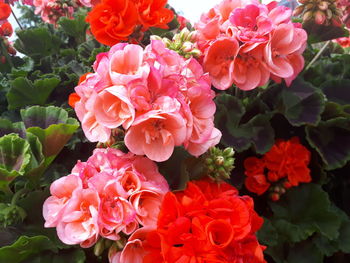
<point x="207" y="222"/>
<point x="233" y="36"/>
<point x="158" y="97"/>
<point x="109" y="194"/>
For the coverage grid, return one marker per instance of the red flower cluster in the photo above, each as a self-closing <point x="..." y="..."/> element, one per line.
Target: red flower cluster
<point x="113" y="21"/>
<point x="285" y="165"/>
<point x="208" y="222"/>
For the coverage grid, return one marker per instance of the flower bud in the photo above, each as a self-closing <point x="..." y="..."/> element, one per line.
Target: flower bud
<point x="298" y="10"/>
<point x="219" y="160"/>
<point x="275" y="197"/>
<point x="228" y="152"/>
<point x="187" y="47"/>
<point x="196" y="53"/>
<point x="155" y="37"/>
<point x="184" y="34"/>
<point x="320" y="17"/>
<point x="323" y="5"/>
<point x="307" y="16"/>
<point x="99" y="247"/>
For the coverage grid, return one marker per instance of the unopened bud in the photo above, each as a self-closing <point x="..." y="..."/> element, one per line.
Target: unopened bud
<point x="187" y="47"/>
<point x="193" y="36"/>
<point x="99" y="247"/>
<point x="196" y="53"/>
<point x="320" y="17"/>
<point x="307" y="16"/>
<point x="2" y="60"/>
<point x="219" y="160"/>
<point x="287" y="185"/>
<point x="228" y="152"/>
<point x="184" y="34"/>
<point x="275" y="197"/>
<point x="298" y="10"/>
<point x="155" y="37"/>
<point x="323" y="5"/>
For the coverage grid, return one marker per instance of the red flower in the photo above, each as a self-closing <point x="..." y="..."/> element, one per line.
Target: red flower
<point x="5" y="11"/>
<point x="113" y="21"/>
<point x="208" y="222"/>
<point x="74" y="97"/>
<point x="257" y="184"/>
<point x="289" y="159"/>
<point x="6" y="29"/>
<point x="152" y="13"/>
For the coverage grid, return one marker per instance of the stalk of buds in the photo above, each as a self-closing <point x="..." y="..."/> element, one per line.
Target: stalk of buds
<point x="219" y="163"/>
<point x="323" y="12"/>
<point x="183" y="43"/>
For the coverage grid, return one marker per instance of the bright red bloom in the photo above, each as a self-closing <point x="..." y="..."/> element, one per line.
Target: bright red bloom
<point x="289" y="159"/>
<point x="152" y="13"/>
<point x="208" y="222"/>
<point x="257" y="184"/>
<point x="6" y="29"/>
<point x="5" y="11"/>
<point x="113" y="21"/>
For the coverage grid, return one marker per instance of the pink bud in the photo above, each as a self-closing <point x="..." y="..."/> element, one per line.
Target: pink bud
<point x="320" y="17"/>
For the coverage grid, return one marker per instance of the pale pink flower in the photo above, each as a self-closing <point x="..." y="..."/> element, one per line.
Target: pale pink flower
<point x="89" y="3"/>
<point x="286" y="40"/>
<point x="78" y="224"/>
<point x="126" y="64"/>
<point x="113" y="108"/>
<point x="155" y="134"/>
<point x="61" y="191"/>
<point x="133" y="250"/>
<point x="250" y="70"/>
<point x="147" y="206"/>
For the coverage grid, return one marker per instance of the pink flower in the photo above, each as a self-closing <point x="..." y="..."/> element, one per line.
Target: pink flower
<point x="155" y="134"/>
<point x="218" y="61"/>
<point x="250" y="70"/>
<point x="61" y="191"/>
<point x="147" y="206"/>
<point x="113" y="108"/>
<point x="126" y="64"/>
<point x="89" y="3"/>
<point x="285" y="41"/>
<point x="251" y="24"/>
<point x="133" y="251"/>
<point x="78" y="224"/>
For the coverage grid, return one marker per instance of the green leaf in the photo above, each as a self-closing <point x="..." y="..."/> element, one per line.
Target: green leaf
<point x="255" y="131"/>
<point x="37" y="42"/>
<point x="319" y="33"/>
<point x="303" y="211"/>
<point x="7" y="127"/>
<point x="66" y="255"/>
<point x="74" y="27"/>
<point x="26" y="247"/>
<point x="15" y="155"/>
<point x="337" y="90"/>
<point x="267" y="234"/>
<point x="52" y="126"/>
<point x="305" y="252"/>
<point x="302" y="103"/>
<point x="332" y="141"/>
<point x="23" y="92"/>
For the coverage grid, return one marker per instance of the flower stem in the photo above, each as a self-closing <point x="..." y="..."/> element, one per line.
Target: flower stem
<point x="19" y="24"/>
<point x="317" y="55"/>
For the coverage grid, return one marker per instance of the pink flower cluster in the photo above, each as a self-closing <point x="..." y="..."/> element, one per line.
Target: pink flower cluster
<point x="112" y="192"/>
<point x="158" y="97"/>
<point x="52" y="10"/>
<point x="247" y="43"/>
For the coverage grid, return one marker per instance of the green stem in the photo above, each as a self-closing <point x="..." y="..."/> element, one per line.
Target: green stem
<point x="5" y="52"/>
<point x="19" y="24"/>
<point x="318" y="55"/>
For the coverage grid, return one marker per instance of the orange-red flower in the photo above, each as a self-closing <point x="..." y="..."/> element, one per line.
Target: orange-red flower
<point x="286" y="164"/>
<point x="152" y="13"/>
<point x="208" y="222"/>
<point x="6" y="29"/>
<point x="5" y="11"/>
<point x="113" y="21"/>
<point x="74" y="97"/>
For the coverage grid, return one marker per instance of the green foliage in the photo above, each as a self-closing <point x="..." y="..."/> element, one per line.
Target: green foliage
<point x="24" y="93"/>
<point x="240" y="128"/>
